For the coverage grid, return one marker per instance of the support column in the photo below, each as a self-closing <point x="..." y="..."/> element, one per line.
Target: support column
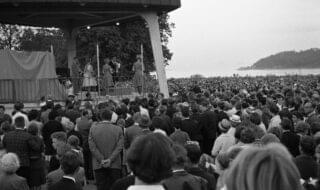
<point x="154" y="30"/>
<point x="71" y="47"/>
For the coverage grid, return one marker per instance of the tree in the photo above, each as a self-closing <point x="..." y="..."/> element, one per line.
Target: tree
<point x="9" y="35"/>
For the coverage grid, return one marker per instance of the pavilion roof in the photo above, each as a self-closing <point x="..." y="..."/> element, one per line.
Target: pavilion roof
<point x="77" y="13"/>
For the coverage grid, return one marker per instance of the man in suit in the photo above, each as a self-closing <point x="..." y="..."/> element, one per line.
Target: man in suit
<point x="133" y="131"/>
<point x="18" y="141"/>
<point x="289" y="138"/>
<point x="70" y="165"/>
<point x="208" y="122"/>
<point x="106" y="144"/>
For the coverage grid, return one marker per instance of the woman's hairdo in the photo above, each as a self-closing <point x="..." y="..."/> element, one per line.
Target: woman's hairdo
<point x="151" y="157"/>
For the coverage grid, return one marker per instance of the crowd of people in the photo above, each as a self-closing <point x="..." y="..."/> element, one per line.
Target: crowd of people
<point x="236" y="133"/>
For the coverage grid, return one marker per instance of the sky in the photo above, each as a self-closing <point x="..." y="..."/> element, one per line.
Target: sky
<point x="212" y="37"/>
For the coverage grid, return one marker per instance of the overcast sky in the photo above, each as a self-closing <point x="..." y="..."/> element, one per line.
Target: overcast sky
<point x="226" y="34"/>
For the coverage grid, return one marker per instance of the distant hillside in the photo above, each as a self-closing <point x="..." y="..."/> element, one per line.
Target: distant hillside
<point x="307" y="59"/>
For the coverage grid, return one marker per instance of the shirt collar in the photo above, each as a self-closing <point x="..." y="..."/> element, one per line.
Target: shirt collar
<point x="69" y="177"/>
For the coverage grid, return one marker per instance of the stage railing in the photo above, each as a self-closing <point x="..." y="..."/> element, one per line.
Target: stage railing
<point x="31" y="90"/>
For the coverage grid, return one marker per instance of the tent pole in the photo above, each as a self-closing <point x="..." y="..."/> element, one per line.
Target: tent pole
<point x="98" y="69"/>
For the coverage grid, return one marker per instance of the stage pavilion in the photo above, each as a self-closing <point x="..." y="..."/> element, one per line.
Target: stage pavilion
<point x="70" y="15"/>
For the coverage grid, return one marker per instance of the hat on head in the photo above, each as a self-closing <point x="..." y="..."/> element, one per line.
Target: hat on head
<point x="235" y="119"/>
<point x="224" y="125"/>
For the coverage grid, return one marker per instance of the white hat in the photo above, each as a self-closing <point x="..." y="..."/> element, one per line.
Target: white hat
<point x="235" y="118"/>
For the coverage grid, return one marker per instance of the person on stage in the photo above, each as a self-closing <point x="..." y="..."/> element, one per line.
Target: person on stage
<point x="89" y="80"/>
<point x="107" y="80"/>
<point x="75" y="75"/>
<point x="116" y="68"/>
<point x="138" y="74"/>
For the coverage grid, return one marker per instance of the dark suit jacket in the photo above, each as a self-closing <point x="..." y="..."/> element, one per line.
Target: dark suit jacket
<point x="194" y="131"/>
<point x="130" y="134"/>
<point x="184" y="181"/>
<point x="13" y="182"/>
<point x="19" y="142"/>
<point x="208" y="122"/>
<point x="307" y="166"/>
<point x="291" y="141"/>
<point x="49" y="128"/>
<point x="212" y="182"/>
<point x="65" y="183"/>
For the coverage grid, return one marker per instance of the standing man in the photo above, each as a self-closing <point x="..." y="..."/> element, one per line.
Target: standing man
<point x="106" y="144"/>
<point x="76" y="74"/>
<point x="19" y="142"/>
<point x="208" y="122"/>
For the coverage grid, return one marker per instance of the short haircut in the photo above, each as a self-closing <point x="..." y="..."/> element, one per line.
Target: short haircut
<point x="2" y="107"/>
<point x="286" y="124"/>
<point x="269" y="138"/>
<point x="194" y="153"/>
<point x="264" y="169"/>
<point x="33" y="115"/>
<point x="315" y="127"/>
<point x="302" y="127"/>
<point x="9" y="163"/>
<point x="181" y="156"/>
<point x="60" y="136"/>
<point x="53" y="114"/>
<point x="307" y="145"/>
<point x="70" y="163"/>
<point x="73" y="141"/>
<point x="151" y="157"/>
<point x="185" y="111"/>
<point x="274" y="108"/>
<point x="19" y="122"/>
<point x="85" y="112"/>
<point x="33" y="129"/>
<point x="106" y="114"/>
<point x="276" y="131"/>
<point x="18" y="106"/>
<point x="247" y="136"/>
<point x="6" y="127"/>
<point x="255" y="118"/>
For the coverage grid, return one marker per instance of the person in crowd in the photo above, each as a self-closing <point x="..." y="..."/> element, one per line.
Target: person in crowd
<point x="9" y="180"/>
<point x="5" y="127"/>
<point x="18" y="142"/>
<point x="48" y="129"/>
<point x="59" y="139"/>
<point x="133" y="131"/>
<point x="275" y="120"/>
<point x="179" y="136"/>
<point x="83" y="127"/>
<point x="89" y="80"/>
<point x="34" y="117"/>
<point x="224" y="140"/>
<point x="18" y="112"/>
<point x="70" y="165"/>
<point x="208" y="121"/>
<point x="180" y="178"/>
<point x="268" y="168"/>
<point x="302" y="129"/>
<point x="310" y="112"/>
<point x="235" y="122"/>
<point x="37" y="164"/>
<point x="194" y="154"/>
<point x="269" y="138"/>
<point x="106" y="144"/>
<point x="222" y="163"/>
<point x="190" y="126"/>
<point x="74" y="143"/>
<point x="44" y="118"/>
<point x="70" y="129"/>
<point x="2" y="113"/>
<point x="289" y="138"/>
<point x="307" y="165"/>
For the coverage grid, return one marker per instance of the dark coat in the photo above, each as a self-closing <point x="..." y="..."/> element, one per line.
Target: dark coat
<point x="212" y="182"/>
<point x="130" y="134"/>
<point x="194" y="131"/>
<point x="291" y="141"/>
<point x="123" y="183"/>
<point x="18" y="142"/>
<point x="47" y="130"/>
<point x="307" y="166"/>
<point x="13" y="182"/>
<point x="208" y="122"/>
<point x="182" y="180"/>
<point x="65" y="183"/>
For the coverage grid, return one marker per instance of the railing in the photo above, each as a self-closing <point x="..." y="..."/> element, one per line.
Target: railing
<point x="31" y="90"/>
